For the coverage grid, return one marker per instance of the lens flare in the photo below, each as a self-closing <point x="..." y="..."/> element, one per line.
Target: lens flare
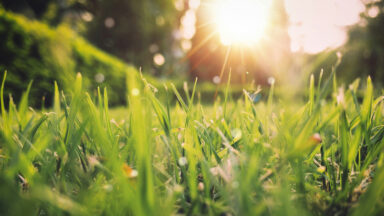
<point x="241" y="21"/>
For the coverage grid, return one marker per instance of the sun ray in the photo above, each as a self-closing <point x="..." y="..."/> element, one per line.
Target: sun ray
<point x="198" y="46"/>
<point x="244" y="23"/>
<point x="225" y="61"/>
<point x="223" y="68"/>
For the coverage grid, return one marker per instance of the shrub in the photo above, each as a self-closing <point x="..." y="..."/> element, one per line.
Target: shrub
<point x="31" y="50"/>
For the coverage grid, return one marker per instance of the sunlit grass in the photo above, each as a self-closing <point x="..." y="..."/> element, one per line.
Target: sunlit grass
<point x="250" y="155"/>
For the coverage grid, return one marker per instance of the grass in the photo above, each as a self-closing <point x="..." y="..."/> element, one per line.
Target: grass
<point x="238" y="156"/>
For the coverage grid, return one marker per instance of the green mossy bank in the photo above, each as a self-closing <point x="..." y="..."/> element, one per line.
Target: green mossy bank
<point x="31" y="50"/>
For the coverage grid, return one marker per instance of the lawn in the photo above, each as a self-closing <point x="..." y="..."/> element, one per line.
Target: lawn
<point x="321" y="154"/>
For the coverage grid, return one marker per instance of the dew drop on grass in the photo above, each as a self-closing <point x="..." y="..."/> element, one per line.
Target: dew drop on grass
<point x="183" y="161"/>
<point x="135" y="92"/>
<point x="200" y="186"/>
<point x="134" y="173"/>
<point x="316" y="137"/>
<point x="131" y="173"/>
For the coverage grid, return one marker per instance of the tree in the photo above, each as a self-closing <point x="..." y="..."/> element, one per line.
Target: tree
<point x="126" y="29"/>
<point x="132" y="30"/>
<point x="364" y="51"/>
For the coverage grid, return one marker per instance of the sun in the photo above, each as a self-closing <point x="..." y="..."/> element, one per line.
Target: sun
<point x="241" y="21"/>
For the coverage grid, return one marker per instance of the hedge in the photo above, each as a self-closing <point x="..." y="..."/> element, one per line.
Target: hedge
<point x="31" y="50"/>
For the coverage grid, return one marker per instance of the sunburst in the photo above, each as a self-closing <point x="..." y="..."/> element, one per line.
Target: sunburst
<point x="239" y="26"/>
<point x="240" y="21"/>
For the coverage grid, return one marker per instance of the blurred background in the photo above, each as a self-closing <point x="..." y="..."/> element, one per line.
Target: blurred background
<point x="259" y="41"/>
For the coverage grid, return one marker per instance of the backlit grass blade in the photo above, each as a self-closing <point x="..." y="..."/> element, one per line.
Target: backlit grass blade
<point x="3" y="111"/>
<point x="375" y="192"/>
<point x="23" y="106"/>
<point x="56" y="100"/>
<point x="179" y="98"/>
<point x="311" y="93"/>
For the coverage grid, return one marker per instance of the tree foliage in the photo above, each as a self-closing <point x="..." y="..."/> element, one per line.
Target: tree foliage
<point x="126" y="29"/>
<point x="133" y="27"/>
<point x="364" y="52"/>
<point x="34" y="51"/>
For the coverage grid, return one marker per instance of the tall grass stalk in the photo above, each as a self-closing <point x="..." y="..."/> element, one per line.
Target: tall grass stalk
<point x="242" y="156"/>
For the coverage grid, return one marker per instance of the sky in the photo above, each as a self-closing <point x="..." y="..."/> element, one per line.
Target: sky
<point x="316" y="25"/>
